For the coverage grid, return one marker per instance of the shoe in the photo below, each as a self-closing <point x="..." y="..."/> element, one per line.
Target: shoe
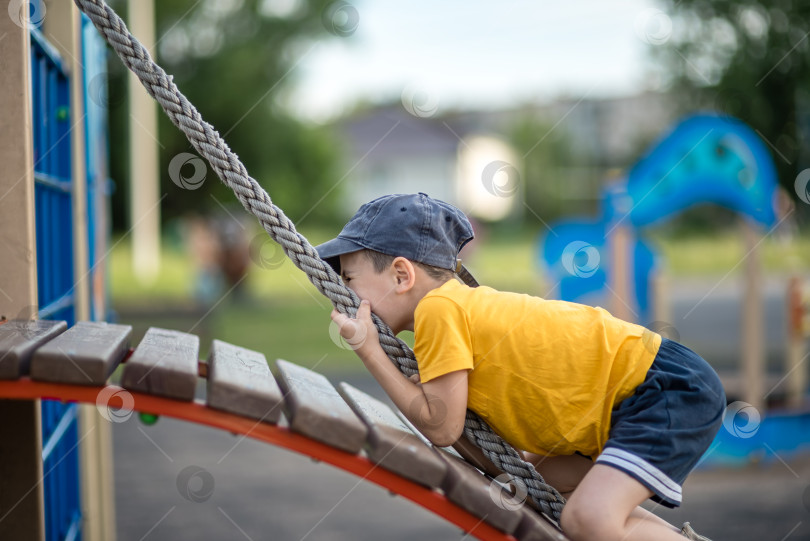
<point x="689" y="533"/>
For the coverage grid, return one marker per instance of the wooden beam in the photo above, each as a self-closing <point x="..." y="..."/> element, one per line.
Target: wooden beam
<point x="21" y="500"/>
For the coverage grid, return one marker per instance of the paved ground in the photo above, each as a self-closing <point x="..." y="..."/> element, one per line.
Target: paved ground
<point x="257" y="492"/>
<point x="261" y="492"/>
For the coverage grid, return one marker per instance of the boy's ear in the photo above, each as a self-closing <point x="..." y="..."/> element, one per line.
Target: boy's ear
<point x="404" y="273"/>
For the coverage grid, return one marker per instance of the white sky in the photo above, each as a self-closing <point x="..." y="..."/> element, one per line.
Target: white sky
<point x="480" y="54"/>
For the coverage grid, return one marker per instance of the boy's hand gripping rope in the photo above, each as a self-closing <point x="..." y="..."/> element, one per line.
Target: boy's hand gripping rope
<point x="207" y="141"/>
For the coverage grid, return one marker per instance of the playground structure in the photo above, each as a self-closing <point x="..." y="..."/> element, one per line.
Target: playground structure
<point x="53" y="217"/>
<point x="343" y="427"/>
<point x="607" y="260"/>
<point x="85" y="302"/>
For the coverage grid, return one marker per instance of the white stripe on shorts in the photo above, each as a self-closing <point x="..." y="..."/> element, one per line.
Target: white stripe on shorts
<point x="658" y="481"/>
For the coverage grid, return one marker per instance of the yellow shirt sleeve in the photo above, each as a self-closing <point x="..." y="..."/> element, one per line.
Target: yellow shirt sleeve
<point x="442" y="340"/>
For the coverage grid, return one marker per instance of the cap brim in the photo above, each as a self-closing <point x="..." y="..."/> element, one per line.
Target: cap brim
<point x="330" y="251"/>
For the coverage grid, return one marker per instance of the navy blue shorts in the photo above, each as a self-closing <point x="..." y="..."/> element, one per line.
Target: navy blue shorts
<point x="658" y="434"/>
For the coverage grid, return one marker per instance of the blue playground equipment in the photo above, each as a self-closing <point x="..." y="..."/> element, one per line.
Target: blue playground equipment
<point x="704" y="159"/>
<point x="53" y="119"/>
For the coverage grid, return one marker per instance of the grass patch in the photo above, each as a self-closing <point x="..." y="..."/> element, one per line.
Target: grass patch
<point x="282" y="315"/>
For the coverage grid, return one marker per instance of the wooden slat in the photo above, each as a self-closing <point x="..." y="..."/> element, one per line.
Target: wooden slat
<point x="240" y="382"/>
<point x="315" y="409"/>
<point x="85" y="354"/>
<point x="468" y="488"/>
<point x="19" y="339"/>
<point x="534" y="527"/>
<point x="392" y="444"/>
<point x="164" y="364"/>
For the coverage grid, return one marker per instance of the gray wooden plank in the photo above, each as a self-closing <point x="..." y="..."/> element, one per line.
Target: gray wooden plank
<point x="85" y="354"/>
<point x="164" y="364"/>
<point x="314" y="408"/>
<point x="392" y="444"/>
<point x="534" y="527"/>
<point x="404" y="420"/>
<point x="471" y="490"/>
<point x="18" y="340"/>
<point x="240" y="382"/>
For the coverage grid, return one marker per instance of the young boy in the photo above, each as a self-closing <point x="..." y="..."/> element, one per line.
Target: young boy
<point x="611" y="413"/>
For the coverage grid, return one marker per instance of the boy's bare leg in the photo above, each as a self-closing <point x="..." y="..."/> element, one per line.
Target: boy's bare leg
<point x="565" y="473"/>
<point x="604" y="507"/>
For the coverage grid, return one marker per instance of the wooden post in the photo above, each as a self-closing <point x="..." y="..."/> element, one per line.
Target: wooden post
<point x="62" y="28"/>
<point x="752" y="343"/>
<point x="620" y="276"/>
<point x="143" y="155"/>
<point x="796" y="370"/>
<point x="659" y="292"/>
<point x="21" y="495"/>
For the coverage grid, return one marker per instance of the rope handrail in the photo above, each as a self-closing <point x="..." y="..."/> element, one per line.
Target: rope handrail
<point x="207" y="141"/>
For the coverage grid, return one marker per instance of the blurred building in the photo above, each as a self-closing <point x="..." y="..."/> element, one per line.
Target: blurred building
<point x="467" y="157"/>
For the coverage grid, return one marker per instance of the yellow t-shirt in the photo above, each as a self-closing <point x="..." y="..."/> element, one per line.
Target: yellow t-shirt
<point x="544" y="374"/>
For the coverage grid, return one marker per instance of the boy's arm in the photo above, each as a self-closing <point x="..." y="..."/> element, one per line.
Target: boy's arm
<point x="437" y="408"/>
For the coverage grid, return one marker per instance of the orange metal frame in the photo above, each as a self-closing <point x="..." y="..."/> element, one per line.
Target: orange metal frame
<point x="197" y="412"/>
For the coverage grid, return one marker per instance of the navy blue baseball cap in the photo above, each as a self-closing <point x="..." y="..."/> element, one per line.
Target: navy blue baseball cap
<point x="413" y="226"/>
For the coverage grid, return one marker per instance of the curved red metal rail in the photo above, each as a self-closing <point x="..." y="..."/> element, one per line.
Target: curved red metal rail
<point x="197" y="412"/>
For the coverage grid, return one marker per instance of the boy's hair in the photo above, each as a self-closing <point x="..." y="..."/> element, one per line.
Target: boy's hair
<point x="381" y="261"/>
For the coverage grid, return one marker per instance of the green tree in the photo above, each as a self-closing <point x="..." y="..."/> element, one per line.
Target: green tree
<point x="234" y="59"/>
<point x="746" y="58"/>
<point x="559" y="180"/>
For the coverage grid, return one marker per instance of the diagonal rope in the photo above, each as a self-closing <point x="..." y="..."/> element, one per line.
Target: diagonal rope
<point x="207" y="141"/>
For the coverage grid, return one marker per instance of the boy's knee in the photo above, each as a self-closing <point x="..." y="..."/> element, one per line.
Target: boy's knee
<point x="581" y="523"/>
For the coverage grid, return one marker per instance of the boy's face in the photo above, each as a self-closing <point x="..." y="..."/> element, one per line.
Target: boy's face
<point x="359" y="275"/>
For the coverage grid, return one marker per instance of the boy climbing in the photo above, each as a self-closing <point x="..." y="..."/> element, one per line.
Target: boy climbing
<point x="610" y="413"/>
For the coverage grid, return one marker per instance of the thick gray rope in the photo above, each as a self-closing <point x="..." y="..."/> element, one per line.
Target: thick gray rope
<point x="207" y="141"/>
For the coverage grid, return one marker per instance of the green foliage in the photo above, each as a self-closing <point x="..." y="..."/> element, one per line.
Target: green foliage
<point x="234" y="59"/>
<point x="749" y="59"/>
<point x="558" y="180"/>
